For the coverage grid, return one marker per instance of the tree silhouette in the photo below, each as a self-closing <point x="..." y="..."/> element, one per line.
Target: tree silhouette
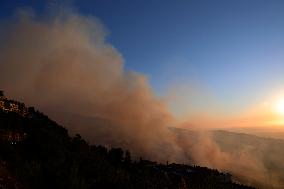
<point x="127" y="158"/>
<point x="115" y="155"/>
<point x="49" y="158"/>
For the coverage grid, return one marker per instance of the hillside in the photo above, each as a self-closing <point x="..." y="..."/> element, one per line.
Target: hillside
<point x="267" y="153"/>
<point x="36" y="152"/>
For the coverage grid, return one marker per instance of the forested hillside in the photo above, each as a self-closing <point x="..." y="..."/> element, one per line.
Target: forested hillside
<point x="36" y="152"/>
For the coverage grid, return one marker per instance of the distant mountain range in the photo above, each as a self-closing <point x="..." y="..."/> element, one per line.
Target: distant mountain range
<point x="267" y="153"/>
<point x="275" y="132"/>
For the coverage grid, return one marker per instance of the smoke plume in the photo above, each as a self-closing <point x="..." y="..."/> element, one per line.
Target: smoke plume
<point x="65" y="67"/>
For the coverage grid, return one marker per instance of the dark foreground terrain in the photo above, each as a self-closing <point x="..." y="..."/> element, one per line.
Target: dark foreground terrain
<point x="35" y="152"/>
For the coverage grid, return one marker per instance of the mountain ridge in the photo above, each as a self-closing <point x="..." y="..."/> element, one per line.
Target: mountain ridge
<point x="47" y="157"/>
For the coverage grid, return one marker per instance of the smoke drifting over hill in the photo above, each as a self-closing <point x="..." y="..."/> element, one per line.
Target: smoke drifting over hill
<point x="64" y="66"/>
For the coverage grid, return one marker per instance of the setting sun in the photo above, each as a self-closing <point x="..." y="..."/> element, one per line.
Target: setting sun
<point x="280" y="107"/>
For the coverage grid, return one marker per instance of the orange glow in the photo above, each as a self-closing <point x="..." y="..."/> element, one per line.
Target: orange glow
<point x="280" y="107"/>
<point x="265" y="114"/>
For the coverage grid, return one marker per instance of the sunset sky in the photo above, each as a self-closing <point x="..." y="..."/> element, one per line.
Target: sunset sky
<point x="223" y="56"/>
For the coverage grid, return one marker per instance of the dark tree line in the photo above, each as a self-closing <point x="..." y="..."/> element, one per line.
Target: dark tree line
<point x="49" y="158"/>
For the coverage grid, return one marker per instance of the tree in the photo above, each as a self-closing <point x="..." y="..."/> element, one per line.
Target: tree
<point x="79" y="144"/>
<point x="31" y="110"/>
<point x="115" y="155"/>
<point x="127" y="158"/>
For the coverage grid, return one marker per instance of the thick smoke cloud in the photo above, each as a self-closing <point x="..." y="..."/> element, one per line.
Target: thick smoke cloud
<point x="63" y="66"/>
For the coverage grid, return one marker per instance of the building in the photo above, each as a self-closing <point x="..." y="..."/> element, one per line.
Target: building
<point x="12" y="137"/>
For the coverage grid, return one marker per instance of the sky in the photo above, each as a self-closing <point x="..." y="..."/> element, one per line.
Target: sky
<point x="231" y="50"/>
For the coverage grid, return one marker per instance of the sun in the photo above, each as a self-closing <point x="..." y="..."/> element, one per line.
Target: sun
<point x="280" y="107"/>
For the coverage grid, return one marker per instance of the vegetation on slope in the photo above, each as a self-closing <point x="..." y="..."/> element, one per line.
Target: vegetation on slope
<point x="39" y="153"/>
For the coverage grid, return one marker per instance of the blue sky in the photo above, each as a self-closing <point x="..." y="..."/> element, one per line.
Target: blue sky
<point x="233" y="48"/>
